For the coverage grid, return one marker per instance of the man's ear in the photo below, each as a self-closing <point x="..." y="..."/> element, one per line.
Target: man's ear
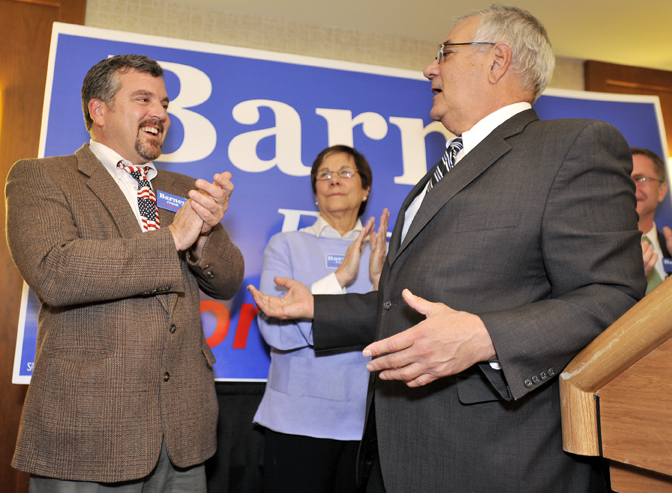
<point x="500" y="63"/>
<point x="97" y="111"/>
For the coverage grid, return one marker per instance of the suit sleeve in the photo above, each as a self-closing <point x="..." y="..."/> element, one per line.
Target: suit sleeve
<point x="220" y="270"/>
<point x="592" y="257"/>
<point x="345" y="322"/>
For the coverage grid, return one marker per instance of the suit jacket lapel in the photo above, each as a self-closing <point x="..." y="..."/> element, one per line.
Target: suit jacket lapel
<point x="395" y="239"/>
<point x="479" y="159"/>
<point x="108" y="192"/>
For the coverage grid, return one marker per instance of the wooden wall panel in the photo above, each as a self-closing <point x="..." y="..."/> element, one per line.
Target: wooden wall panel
<point x="24" y="50"/>
<point x="624" y="79"/>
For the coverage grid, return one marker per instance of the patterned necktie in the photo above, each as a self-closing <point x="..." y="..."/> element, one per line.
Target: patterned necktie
<point x="447" y="162"/>
<point x="653" y="279"/>
<point x="149" y="213"/>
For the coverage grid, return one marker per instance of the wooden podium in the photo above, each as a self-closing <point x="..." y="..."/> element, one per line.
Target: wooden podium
<point x="616" y="397"/>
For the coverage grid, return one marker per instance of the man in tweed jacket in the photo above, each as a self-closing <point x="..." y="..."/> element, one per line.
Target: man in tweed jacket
<point x="123" y="387"/>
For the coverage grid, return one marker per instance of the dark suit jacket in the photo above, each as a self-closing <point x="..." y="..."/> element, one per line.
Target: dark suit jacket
<point x="121" y="360"/>
<point x="535" y="230"/>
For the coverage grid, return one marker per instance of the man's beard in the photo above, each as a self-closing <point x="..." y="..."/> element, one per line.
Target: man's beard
<point x="148" y="150"/>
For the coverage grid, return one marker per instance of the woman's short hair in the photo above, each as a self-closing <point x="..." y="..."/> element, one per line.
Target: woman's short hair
<point x="360" y="162"/>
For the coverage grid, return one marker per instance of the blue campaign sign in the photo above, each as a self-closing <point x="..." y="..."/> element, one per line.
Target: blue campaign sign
<point x="264" y="116"/>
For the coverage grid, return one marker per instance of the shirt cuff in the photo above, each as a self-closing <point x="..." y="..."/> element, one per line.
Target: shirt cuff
<point x="327" y="285"/>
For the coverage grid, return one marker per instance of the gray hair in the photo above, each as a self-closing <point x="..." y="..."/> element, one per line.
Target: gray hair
<point x="532" y="54"/>
<point x="101" y="81"/>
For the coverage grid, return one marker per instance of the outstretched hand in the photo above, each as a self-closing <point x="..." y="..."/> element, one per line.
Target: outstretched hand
<point x="298" y="302"/>
<point x="446" y="343"/>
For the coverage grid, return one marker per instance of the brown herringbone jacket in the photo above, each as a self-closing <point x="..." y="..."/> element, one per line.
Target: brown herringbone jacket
<point x="121" y="356"/>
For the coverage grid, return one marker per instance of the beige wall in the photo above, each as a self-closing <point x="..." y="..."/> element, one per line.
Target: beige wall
<point x="181" y="20"/>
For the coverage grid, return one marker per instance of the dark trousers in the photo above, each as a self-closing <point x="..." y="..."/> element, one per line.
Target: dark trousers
<point x="237" y="465"/>
<point x="296" y="464"/>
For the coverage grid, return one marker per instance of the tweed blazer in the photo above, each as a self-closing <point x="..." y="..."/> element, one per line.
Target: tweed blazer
<point x="535" y="231"/>
<point x="122" y="361"/>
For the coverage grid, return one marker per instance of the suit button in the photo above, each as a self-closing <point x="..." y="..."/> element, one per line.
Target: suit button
<point x="535" y="379"/>
<point x="551" y="372"/>
<point x="166" y="377"/>
<point x="173" y="328"/>
<point x="528" y="383"/>
<point x="543" y="375"/>
<point x="387" y="305"/>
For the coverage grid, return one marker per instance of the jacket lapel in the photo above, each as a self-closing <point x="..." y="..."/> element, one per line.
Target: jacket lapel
<point x="395" y="239"/>
<point x="484" y="155"/>
<point x="108" y="192"/>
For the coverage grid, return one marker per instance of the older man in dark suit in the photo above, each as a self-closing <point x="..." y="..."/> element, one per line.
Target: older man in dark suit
<point x="122" y="396"/>
<point x="507" y="258"/>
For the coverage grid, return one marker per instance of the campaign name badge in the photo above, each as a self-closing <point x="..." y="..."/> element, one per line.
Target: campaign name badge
<point x="667" y="265"/>
<point x="334" y="261"/>
<point x="169" y="202"/>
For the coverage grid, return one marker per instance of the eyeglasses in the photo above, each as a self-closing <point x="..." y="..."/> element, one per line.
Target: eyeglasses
<point x="645" y="179"/>
<point x="443" y="46"/>
<point x="326" y="174"/>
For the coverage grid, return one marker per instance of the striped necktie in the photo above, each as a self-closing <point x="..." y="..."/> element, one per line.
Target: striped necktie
<point x="447" y="162"/>
<point x="149" y="213"/>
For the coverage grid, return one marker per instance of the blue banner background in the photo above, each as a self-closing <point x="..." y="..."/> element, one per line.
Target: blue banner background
<point x="303" y="85"/>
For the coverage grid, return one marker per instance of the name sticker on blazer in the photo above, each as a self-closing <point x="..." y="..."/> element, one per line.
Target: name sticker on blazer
<point x="334" y="261"/>
<point x="667" y="265"/>
<point x="169" y="202"/>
